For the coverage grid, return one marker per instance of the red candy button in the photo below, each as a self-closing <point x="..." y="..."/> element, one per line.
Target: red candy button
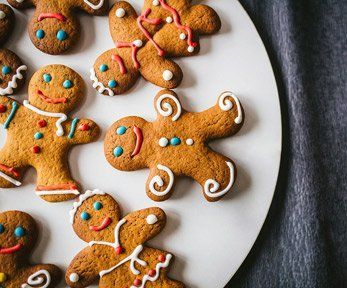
<point x="137" y="282"/>
<point x="3" y="108"/>
<point x="42" y="123"/>
<point x="119" y="250"/>
<point x="84" y="127"/>
<point x="162" y="258"/>
<point x="152" y="273"/>
<point x="36" y="149"/>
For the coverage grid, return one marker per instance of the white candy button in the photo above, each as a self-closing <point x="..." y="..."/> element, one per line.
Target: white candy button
<point x="167" y="75"/>
<point x="74" y="277"/>
<point x="120" y="12"/>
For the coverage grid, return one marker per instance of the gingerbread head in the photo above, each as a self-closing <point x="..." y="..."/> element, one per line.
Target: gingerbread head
<point x="176" y="144"/>
<point x="12" y="71"/>
<point x="54" y="28"/>
<point x="40" y="133"/>
<point x="145" y="43"/>
<point x="117" y="244"/>
<point x="18" y="234"/>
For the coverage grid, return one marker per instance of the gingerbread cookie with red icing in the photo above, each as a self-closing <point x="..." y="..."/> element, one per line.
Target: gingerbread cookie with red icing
<point x="176" y="144"/>
<point x="40" y="134"/>
<point x="146" y="43"/>
<point x="12" y="71"/>
<point x="18" y="235"/>
<point x="53" y="28"/>
<point x="116" y="255"/>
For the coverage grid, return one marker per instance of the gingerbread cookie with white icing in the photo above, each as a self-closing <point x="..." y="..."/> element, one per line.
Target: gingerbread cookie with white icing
<point x="40" y="134"/>
<point x="12" y="71"/>
<point x="146" y="43"/>
<point x="116" y="255"/>
<point x="176" y="144"/>
<point x="18" y="235"/>
<point x="53" y="28"/>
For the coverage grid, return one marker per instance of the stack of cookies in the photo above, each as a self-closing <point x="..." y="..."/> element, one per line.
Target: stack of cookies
<point x="40" y="134"/>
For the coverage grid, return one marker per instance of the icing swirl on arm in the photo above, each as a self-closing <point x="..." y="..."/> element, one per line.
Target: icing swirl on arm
<point x="36" y="279"/>
<point x="159" y="181"/>
<point x="167" y="106"/>
<point x="226" y="105"/>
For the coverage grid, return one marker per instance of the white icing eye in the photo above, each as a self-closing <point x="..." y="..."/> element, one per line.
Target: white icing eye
<point x="169" y="19"/>
<point x="2" y="14"/>
<point x="189" y="142"/>
<point x="183" y="36"/>
<point x="156" y="2"/>
<point x="138" y="43"/>
<point x="74" y="277"/>
<point x="190" y="49"/>
<point x="163" y="142"/>
<point x="167" y="75"/>
<point x="151" y="219"/>
<point x="120" y="12"/>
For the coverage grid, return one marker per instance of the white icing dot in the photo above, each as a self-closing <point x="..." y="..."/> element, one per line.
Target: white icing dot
<point x="120" y="12"/>
<point x="138" y="43"/>
<point x="151" y="219"/>
<point x="163" y="142"/>
<point x="2" y="14"/>
<point x="169" y="19"/>
<point x="183" y="36"/>
<point x="167" y="75"/>
<point x="190" y="142"/>
<point x="74" y="277"/>
<point x="190" y="49"/>
<point x="156" y="2"/>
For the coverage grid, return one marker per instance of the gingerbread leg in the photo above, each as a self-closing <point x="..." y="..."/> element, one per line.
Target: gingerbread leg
<point x="160" y="183"/>
<point x="11" y="171"/>
<point x="55" y="183"/>
<point x="45" y="274"/>
<point x="215" y="173"/>
<point x="173" y="284"/>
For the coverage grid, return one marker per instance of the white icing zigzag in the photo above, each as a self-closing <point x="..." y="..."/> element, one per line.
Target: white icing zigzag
<point x="212" y="191"/>
<point x="36" y="279"/>
<point x="13" y="83"/>
<point x="95" y="7"/>
<point x="167" y="106"/>
<point x="83" y="198"/>
<point x="98" y="84"/>
<point x="159" y="181"/>
<point x="226" y="105"/>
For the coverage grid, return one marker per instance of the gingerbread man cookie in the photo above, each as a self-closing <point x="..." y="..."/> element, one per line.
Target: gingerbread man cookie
<point x="12" y="71"/>
<point x="53" y="29"/>
<point x="39" y="133"/>
<point x="18" y="235"/>
<point x="175" y="144"/>
<point x="145" y="43"/>
<point x="116" y="254"/>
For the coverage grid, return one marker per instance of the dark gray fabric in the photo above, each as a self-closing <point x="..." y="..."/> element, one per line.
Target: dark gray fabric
<point x="303" y="242"/>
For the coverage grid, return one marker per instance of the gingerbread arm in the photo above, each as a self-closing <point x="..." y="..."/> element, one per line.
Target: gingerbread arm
<point x="8" y="110"/>
<point x="23" y="4"/>
<point x="82" y="131"/>
<point x="224" y="119"/>
<point x="168" y="106"/>
<point x="203" y="20"/>
<point x="93" y="7"/>
<point x="83" y="269"/>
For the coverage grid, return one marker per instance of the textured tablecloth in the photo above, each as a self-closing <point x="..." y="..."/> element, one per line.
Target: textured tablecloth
<point x="303" y="242"/>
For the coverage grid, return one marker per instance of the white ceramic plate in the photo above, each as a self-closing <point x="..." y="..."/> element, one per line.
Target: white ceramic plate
<point x="210" y="240"/>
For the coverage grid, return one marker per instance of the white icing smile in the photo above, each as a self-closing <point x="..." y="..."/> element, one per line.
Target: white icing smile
<point x="98" y="85"/>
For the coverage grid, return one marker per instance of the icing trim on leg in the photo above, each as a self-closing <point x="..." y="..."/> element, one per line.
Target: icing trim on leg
<point x="211" y="192"/>
<point x="37" y="279"/>
<point x="98" y="85"/>
<point x="10" y="179"/>
<point x="94" y="7"/>
<point x="159" y="181"/>
<point x="62" y="189"/>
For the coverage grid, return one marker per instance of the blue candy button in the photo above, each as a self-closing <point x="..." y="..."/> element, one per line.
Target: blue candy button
<point x="6" y="70"/>
<point x="97" y="205"/>
<point x="103" y="68"/>
<point x="112" y="83"/>
<point x="175" y="141"/>
<point x="121" y="130"/>
<point x="38" y="135"/>
<point x="40" y="34"/>
<point x="118" y="151"/>
<point x="2" y="228"/>
<point x="47" y="77"/>
<point x="19" y="232"/>
<point x="67" y="84"/>
<point x="85" y="216"/>
<point x="61" y="35"/>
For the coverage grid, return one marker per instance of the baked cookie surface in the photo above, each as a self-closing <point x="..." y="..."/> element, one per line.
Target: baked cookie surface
<point x="40" y="134"/>
<point x="18" y="235"/>
<point x="116" y="255"/>
<point x="146" y="43"/>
